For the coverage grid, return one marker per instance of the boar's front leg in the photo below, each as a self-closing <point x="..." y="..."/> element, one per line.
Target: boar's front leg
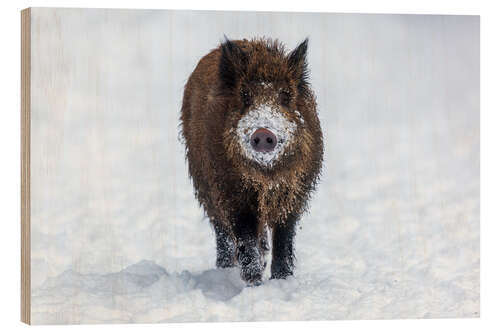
<point x="248" y="253"/>
<point x="283" y="257"/>
<point x="226" y="249"/>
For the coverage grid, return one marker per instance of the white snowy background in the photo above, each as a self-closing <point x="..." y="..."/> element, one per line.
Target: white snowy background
<point x="117" y="236"/>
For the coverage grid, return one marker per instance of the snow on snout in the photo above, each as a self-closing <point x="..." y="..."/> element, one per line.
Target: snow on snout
<point x="265" y="116"/>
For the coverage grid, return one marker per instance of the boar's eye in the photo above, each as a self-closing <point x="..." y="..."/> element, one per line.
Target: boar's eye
<point x="285" y="98"/>
<point x="246" y="98"/>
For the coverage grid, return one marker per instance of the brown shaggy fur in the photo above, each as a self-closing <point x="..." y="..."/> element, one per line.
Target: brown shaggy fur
<point x="241" y="197"/>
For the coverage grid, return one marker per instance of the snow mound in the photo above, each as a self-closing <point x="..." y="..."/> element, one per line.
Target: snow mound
<point x="145" y="292"/>
<point x="129" y="280"/>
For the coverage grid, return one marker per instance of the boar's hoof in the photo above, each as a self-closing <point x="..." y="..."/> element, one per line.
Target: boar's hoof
<point x="280" y="271"/>
<point x="251" y="265"/>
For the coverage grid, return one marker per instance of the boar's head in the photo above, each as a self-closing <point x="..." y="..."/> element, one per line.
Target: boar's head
<point x="271" y="123"/>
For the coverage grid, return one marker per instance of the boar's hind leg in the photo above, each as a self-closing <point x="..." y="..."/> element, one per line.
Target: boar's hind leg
<point x="248" y="249"/>
<point x="283" y="256"/>
<point x="226" y="248"/>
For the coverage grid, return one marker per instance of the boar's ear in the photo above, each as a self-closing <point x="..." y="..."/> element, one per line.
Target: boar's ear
<point x="297" y="64"/>
<point x="232" y="63"/>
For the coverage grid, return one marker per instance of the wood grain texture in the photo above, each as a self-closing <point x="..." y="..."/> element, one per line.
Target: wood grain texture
<point x="25" y="166"/>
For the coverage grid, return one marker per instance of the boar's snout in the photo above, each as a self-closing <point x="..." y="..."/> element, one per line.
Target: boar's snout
<point x="263" y="140"/>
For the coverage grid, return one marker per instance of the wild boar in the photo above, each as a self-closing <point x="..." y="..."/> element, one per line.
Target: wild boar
<point x="254" y="147"/>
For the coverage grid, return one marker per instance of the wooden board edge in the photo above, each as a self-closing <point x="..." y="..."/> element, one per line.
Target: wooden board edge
<point x="25" y="165"/>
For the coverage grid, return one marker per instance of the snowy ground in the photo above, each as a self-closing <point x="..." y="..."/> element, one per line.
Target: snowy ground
<point x="386" y="244"/>
<point x="392" y="232"/>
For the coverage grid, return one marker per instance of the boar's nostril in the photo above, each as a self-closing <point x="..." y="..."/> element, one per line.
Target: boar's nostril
<point x="263" y="140"/>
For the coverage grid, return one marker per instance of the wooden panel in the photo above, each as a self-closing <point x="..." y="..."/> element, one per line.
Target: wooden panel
<point x="25" y="166"/>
